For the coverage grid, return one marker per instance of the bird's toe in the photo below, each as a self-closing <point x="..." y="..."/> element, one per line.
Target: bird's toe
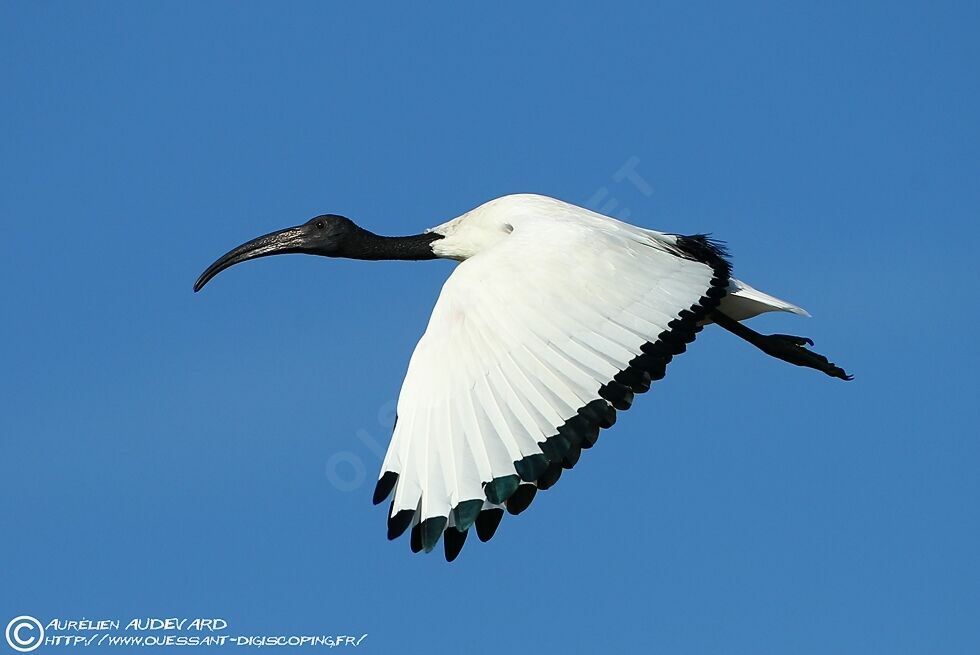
<point x="797" y="341"/>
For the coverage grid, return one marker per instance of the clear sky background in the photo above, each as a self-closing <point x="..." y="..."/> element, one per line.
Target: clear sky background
<point x="172" y="454"/>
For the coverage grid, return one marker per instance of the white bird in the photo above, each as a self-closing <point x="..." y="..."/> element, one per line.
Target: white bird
<point x="554" y="319"/>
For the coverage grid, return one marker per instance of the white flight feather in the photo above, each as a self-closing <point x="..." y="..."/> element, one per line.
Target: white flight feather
<point x="549" y="303"/>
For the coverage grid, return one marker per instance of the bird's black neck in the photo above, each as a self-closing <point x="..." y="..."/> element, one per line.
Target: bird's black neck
<point x="362" y="244"/>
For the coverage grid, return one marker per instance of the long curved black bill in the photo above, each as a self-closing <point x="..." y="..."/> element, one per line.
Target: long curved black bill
<point x="290" y="240"/>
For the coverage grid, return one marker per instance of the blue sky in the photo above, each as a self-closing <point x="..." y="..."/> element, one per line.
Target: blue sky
<point x="172" y="454"/>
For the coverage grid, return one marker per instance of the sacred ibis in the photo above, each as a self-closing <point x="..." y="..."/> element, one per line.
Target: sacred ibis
<point x="554" y="319"/>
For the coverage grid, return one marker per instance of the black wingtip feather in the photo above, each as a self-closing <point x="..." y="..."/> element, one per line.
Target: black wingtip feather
<point x="432" y="529"/>
<point x="453" y="543"/>
<point x="465" y="513"/>
<point x="384" y="486"/>
<point x="619" y="395"/>
<point x="550" y="476"/>
<point x="521" y="499"/>
<point x="398" y="523"/>
<point x="487" y="522"/>
<point x="530" y="467"/>
<point x="415" y="540"/>
<point x="555" y="446"/>
<point x="571" y="457"/>
<point x="637" y="379"/>
<point x="499" y="489"/>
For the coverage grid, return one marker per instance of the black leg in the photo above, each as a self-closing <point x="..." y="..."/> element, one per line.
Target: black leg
<point x="782" y="346"/>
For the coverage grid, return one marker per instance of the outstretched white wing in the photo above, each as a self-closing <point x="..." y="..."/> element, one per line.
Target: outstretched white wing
<point x="532" y="346"/>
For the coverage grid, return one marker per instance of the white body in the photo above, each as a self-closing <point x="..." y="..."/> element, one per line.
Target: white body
<point x="487" y="225"/>
<point x="549" y="302"/>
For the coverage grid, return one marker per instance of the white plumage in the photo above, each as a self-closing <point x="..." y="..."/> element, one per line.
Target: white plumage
<point x="549" y="304"/>
<point x="554" y="319"/>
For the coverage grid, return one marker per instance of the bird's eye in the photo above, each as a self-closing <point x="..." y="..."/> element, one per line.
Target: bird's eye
<point x="320" y="225"/>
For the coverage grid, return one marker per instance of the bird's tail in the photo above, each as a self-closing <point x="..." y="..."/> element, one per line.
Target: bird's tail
<point x="744" y="301"/>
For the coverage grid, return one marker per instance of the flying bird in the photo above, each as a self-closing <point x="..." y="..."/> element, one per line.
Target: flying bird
<point x="555" y="317"/>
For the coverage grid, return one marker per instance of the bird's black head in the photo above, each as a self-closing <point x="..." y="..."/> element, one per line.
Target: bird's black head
<point x="324" y="235"/>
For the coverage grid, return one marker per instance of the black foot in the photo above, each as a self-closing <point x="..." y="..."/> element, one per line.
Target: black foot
<point x="791" y="349"/>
